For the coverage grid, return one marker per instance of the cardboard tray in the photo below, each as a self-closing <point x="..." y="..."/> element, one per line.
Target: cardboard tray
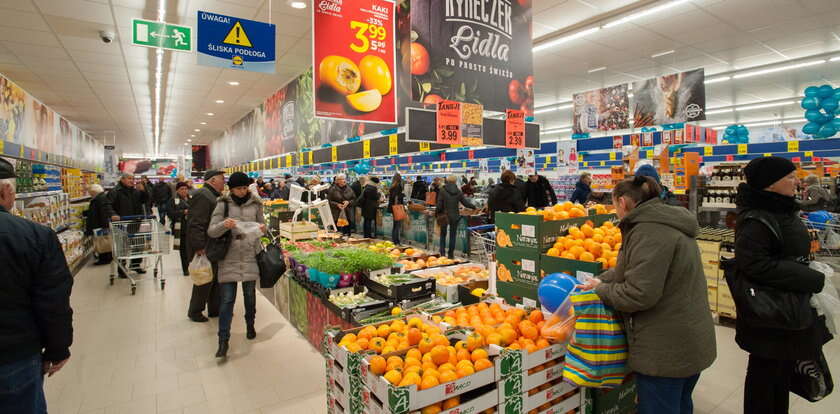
<point x="475" y="401"/>
<point x="524" y="404"/>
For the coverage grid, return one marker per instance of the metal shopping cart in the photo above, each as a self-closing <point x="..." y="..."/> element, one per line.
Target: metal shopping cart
<point x="135" y="238"/>
<point x="483" y="242"/>
<point x="824" y="229"/>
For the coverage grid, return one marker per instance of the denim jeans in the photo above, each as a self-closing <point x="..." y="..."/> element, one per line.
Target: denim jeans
<point x="395" y="232"/>
<point x="370" y="227"/>
<point x="227" y="291"/>
<point x="453" y="235"/>
<point x="22" y="387"/>
<point x="661" y="395"/>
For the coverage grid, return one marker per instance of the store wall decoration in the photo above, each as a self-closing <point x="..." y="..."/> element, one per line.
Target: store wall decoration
<point x="354" y="53"/>
<point x="668" y="99"/>
<point x="463" y="51"/>
<point x="822" y="110"/>
<point x="602" y="109"/>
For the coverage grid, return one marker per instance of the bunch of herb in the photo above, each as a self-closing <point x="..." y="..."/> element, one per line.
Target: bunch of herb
<point x="358" y="260"/>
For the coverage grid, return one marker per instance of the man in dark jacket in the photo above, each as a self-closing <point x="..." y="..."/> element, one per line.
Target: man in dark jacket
<point x="369" y="203"/>
<point x="419" y="189"/>
<point x="161" y="195"/>
<point x="37" y="322"/>
<point x="582" y="189"/>
<point x="202" y="205"/>
<point x="449" y="200"/>
<point x="505" y="197"/>
<point x="539" y="192"/>
<point x="281" y="192"/>
<point x="125" y="200"/>
<point x="98" y="218"/>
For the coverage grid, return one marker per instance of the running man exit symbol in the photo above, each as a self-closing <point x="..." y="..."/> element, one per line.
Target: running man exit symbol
<point x="236" y="36"/>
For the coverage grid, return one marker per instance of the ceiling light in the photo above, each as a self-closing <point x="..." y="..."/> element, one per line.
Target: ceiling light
<point x="564" y="39"/>
<point x="186" y="143"/>
<point x="716" y="80"/>
<point x="719" y="111"/>
<point x="297" y="4"/>
<point x="220" y="101"/>
<point x="189" y="140"/>
<point x="203" y="123"/>
<point x="665" y="53"/>
<point x="834" y="59"/>
<point x="210" y="114"/>
<point x="597" y="69"/>
<point x="192" y="135"/>
<point x="770" y="105"/>
<point x="552" y="108"/>
<point x="556" y="131"/>
<point x="643" y="13"/>
<point x="197" y="130"/>
<point x="778" y="69"/>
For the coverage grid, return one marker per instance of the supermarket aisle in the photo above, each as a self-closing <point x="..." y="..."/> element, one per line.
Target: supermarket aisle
<point x="142" y="355"/>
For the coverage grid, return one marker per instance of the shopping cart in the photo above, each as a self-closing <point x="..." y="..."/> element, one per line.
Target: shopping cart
<point x="483" y="242"/>
<point x="824" y="229"/>
<point x="134" y="238"/>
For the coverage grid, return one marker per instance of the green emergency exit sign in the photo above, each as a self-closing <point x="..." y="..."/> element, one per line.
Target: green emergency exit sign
<point x="163" y="35"/>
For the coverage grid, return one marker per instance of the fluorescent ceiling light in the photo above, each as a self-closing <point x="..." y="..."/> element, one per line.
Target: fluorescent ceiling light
<point x="192" y="135"/>
<point x="297" y="4"/>
<point x="557" y="131"/>
<point x="197" y="130"/>
<point x="597" y="69"/>
<point x="564" y="39"/>
<point x="716" y="80"/>
<point x="210" y="114"/>
<point x="665" y="53"/>
<point x="552" y="108"/>
<point x="643" y="13"/>
<point x="203" y="123"/>
<point x="189" y="140"/>
<point x="220" y="101"/>
<point x="834" y="59"/>
<point x="719" y="111"/>
<point x="770" y="105"/>
<point x="233" y="83"/>
<point x="778" y="69"/>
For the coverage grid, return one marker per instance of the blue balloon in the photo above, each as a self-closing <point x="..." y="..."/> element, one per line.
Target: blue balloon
<point x="837" y="93"/>
<point x="826" y="91"/>
<point x="827" y="130"/>
<point x="829" y="104"/>
<point x="731" y="130"/>
<point x="811" y="128"/>
<point x="813" y="115"/>
<point x="812" y="91"/>
<point x="743" y="131"/>
<point x="810" y="102"/>
<point x="836" y="123"/>
<point x="554" y="289"/>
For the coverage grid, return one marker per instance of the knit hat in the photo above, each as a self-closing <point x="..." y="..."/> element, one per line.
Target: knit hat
<point x="648" y="171"/>
<point x="212" y="173"/>
<point x="239" y="179"/>
<point x="181" y="184"/>
<point x="762" y="172"/>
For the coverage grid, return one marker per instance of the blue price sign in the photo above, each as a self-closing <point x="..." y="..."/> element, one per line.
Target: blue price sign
<point x="234" y="43"/>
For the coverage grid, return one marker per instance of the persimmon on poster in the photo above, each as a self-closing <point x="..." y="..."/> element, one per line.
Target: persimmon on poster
<point x="354" y="59"/>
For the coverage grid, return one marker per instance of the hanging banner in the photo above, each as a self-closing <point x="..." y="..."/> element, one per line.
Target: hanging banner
<point x="526" y="162"/>
<point x="602" y="109"/>
<point x="234" y="43"/>
<point x="449" y="123"/>
<point x="514" y="128"/>
<point x="472" y="124"/>
<point x="464" y="51"/>
<point x="670" y="99"/>
<point x="354" y="53"/>
<point x="567" y="154"/>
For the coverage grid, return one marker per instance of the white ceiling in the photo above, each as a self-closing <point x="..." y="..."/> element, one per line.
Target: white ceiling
<point x="52" y="49"/>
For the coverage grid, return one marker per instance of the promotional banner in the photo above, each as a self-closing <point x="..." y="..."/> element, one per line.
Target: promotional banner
<point x="354" y="52"/>
<point x="147" y="167"/>
<point x="567" y="154"/>
<point x="526" y="162"/>
<point x="669" y="99"/>
<point x="235" y="43"/>
<point x="515" y="128"/>
<point x="602" y="109"/>
<point x="449" y="123"/>
<point x="463" y="51"/>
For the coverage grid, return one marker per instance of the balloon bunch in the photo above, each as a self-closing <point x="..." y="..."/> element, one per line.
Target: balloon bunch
<point x="736" y="134"/>
<point x="678" y="125"/>
<point x="646" y="129"/>
<point x="821" y="109"/>
<point x="580" y="136"/>
<point x="174" y="173"/>
<point x="362" y="167"/>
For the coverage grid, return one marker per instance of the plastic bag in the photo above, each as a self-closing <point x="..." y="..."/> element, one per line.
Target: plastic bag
<point x="560" y="326"/>
<point x="597" y="353"/>
<point x="831" y="240"/>
<point x="201" y="271"/>
<point x="827" y="302"/>
<point x="342" y="219"/>
<point x="250" y="232"/>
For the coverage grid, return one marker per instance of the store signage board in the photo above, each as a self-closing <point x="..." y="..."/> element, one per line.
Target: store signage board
<point x="448" y="122"/>
<point x="161" y="35"/>
<point x="515" y="128"/>
<point x="234" y="43"/>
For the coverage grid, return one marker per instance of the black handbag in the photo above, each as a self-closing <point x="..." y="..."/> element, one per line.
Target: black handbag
<point x="272" y="265"/>
<point x="811" y="379"/>
<point x="218" y="247"/>
<point x="763" y="306"/>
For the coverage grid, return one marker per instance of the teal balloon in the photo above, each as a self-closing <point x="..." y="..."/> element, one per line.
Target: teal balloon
<point x="827" y="130"/>
<point x="826" y="91"/>
<point x="811" y="128"/>
<point x="810" y="102"/>
<point x="730" y="130"/>
<point x="812" y="91"/>
<point x="813" y="115"/>
<point x="835" y="123"/>
<point x="829" y="104"/>
<point x="743" y="131"/>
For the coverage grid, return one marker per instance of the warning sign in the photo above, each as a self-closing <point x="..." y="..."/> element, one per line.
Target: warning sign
<point x="237" y="37"/>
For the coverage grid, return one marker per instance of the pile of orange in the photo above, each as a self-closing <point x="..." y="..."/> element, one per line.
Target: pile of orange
<point x="512" y="328"/>
<point x="590" y="244"/>
<point x="391" y="337"/>
<point x="564" y="211"/>
<point x="449" y="404"/>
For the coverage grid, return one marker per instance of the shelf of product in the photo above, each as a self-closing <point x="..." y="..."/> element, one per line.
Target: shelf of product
<point x="77" y="248"/>
<point x="51" y="208"/>
<point x="36" y="177"/>
<point x="564" y="186"/>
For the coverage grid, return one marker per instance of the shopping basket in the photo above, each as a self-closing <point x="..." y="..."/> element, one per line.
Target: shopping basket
<point x="483" y="242"/>
<point x="138" y="237"/>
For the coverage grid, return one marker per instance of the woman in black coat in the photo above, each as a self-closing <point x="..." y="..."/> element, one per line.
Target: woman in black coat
<point x="505" y="196"/>
<point x="396" y="196"/>
<point x="369" y="203"/>
<point x="97" y="218"/>
<point x="178" y="209"/>
<point x="768" y="200"/>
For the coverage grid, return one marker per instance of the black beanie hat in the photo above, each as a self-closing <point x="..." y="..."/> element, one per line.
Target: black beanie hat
<point x="181" y="184"/>
<point x="764" y="171"/>
<point x="239" y="179"/>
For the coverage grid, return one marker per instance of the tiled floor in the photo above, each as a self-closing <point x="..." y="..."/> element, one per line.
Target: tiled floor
<point x="139" y="354"/>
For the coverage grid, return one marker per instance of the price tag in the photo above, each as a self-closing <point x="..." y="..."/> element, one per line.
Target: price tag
<point x="603" y="163"/>
<point x="425" y="146"/>
<point x="649" y="154"/>
<point x="455" y="146"/>
<point x="612" y="156"/>
<point x="392" y="145"/>
<point x="767" y="154"/>
<point x="464" y="164"/>
<point x="2" y="146"/>
<point x="515" y="129"/>
<point x="809" y="153"/>
<point x="707" y="151"/>
<point x="21" y="151"/>
<point x="471" y="154"/>
<point x="547" y="159"/>
<point x="742" y="149"/>
<point x="311" y="157"/>
<point x="366" y="148"/>
<point x="288" y="160"/>
<point x="793" y="146"/>
<point x="730" y="158"/>
<point x="586" y="164"/>
<point x="449" y="122"/>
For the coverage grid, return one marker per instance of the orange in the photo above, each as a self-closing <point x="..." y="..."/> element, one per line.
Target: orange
<point x="579" y="236"/>
<point x="463" y="354"/>
<point x="576" y="251"/>
<point x="617" y="246"/>
<point x="410" y="378"/>
<point x="383" y="331"/>
<point x="349" y="338"/>
<point x="612" y="262"/>
<point x="439" y="339"/>
<point x="395" y="360"/>
<point x="413" y="353"/>
<point x="610" y="240"/>
<point x="617" y="237"/>
<point x="530" y="348"/>
<point x="464" y="363"/>
<point x="415" y="322"/>
<point x="482" y="364"/>
<point x="388" y="349"/>
<point x="568" y="255"/>
<point x="367" y="332"/>
<point x="494" y="338"/>
<point x="362" y="342"/>
<point x="465" y="371"/>
<point x="413" y="368"/>
<point x="508" y="336"/>
<point x="607" y="224"/>
<point x="420" y="60"/>
<point x="567" y="205"/>
<point x="535" y="316"/>
<point x="586" y="257"/>
<point x="451" y="403"/>
<point x="429" y="381"/>
<point x="528" y="329"/>
<point x="557" y="208"/>
<point x="447" y="376"/>
<point x="414" y="336"/>
<point x="605" y="263"/>
<point x="425" y="345"/>
<point x="542" y="343"/>
<point x="446" y="367"/>
<point x="577" y="212"/>
<point x="431" y="371"/>
<point x="474" y="341"/>
<point x="376" y="344"/>
<point x="434" y="408"/>
<point x="440" y="355"/>
<point x="397" y="326"/>
<point x="478" y="354"/>
<point x="587" y="230"/>
<point x="353" y="347"/>
<point x="514" y="345"/>
<point x="377" y="365"/>
<point x="553" y="252"/>
<point x="411" y="361"/>
<point x="431" y="330"/>
<point x="595" y="249"/>
<point x="393" y="376"/>
<point x="375" y="74"/>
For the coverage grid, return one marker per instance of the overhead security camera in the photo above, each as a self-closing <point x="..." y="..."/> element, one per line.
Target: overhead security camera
<point x="106" y="36"/>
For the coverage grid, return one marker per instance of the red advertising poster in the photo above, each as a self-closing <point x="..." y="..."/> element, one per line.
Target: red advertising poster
<point x="515" y="128"/>
<point x="618" y="141"/>
<point x="354" y="60"/>
<point x="449" y="123"/>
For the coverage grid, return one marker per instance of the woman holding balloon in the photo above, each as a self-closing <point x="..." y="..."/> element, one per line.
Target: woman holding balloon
<point x="659" y="288"/>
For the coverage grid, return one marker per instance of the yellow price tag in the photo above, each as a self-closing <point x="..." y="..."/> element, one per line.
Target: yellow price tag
<point x="548" y="159"/>
<point x="334" y="155"/>
<point x="767" y="154"/>
<point x="603" y="163"/>
<point x="288" y="160"/>
<point x="311" y="156"/>
<point x="707" y="151"/>
<point x="649" y="154"/>
<point x="2" y="146"/>
<point x="301" y="158"/>
<point x="580" y="157"/>
<point x="366" y="148"/>
<point x="455" y="145"/>
<point x="21" y="151"/>
<point x="679" y="192"/>
<point x="367" y="33"/>
<point x="793" y="146"/>
<point x="585" y="164"/>
<point x="425" y="146"/>
<point x="742" y="149"/>
<point x="393" y="148"/>
<point x="612" y="156"/>
<point x="809" y="153"/>
<point x="464" y="164"/>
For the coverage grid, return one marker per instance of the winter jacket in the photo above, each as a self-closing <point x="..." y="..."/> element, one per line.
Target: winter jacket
<point x="202" y="205"/>
<point x="97" y="214"/>
<point x="448" y="202"/>
<point x="761" y="258"/>
<point x="280" y="193"/>
<point x="581" y="193"/>
<point x="540" y="193"/>
<point x="395" y="196"/>
<point x="126" y="201"/>
<point x="369" y="201"/>
<point x="337" y="195"/>
<point x="816" y="198"/>
<point x="161" y="193"/>
<point x="659" y="287"/>
<point x="357" y="188"/>
<point x="419" y="189"/>
<point x="505" y="197"/>
<point x="240" y="262"/>
<point x="177" y="209"/>
<point x="35" y="285"/>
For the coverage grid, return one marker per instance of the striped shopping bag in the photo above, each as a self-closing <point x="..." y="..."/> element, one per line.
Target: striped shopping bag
<point x="597" y="353"/>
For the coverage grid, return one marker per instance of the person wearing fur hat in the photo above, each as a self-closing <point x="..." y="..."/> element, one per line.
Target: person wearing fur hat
<point x="772" y="247"/>
<point x="233" y="213"/>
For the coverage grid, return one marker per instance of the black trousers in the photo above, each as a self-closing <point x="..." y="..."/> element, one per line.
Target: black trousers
<point x="206" y="296"/>
<point x="767" y="386"/>
<point x="185" y="261"/>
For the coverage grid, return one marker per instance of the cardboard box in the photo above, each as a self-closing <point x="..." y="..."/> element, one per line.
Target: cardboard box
<point x="725" y="302"/>
<point x="474" y="405"/>
<point x="531" y="232"/>
<point x="516" y="293"/>
<point x="518" y="265"/>
<point x="520" y="383"/>
<point x="579" y="269"/>
<point x="524" y="403"/>
<point x="619" y="400"/>
<point x="516" y="361"/>
<point x="708" y="247"/>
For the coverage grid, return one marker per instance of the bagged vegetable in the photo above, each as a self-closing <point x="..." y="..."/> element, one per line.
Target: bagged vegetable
<point x="561" y="325"/>
<point x="342" y="219"/>
<point x="201" y="271"/>
<point x="597" y="353"/>
<point x="827" y="302"/>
